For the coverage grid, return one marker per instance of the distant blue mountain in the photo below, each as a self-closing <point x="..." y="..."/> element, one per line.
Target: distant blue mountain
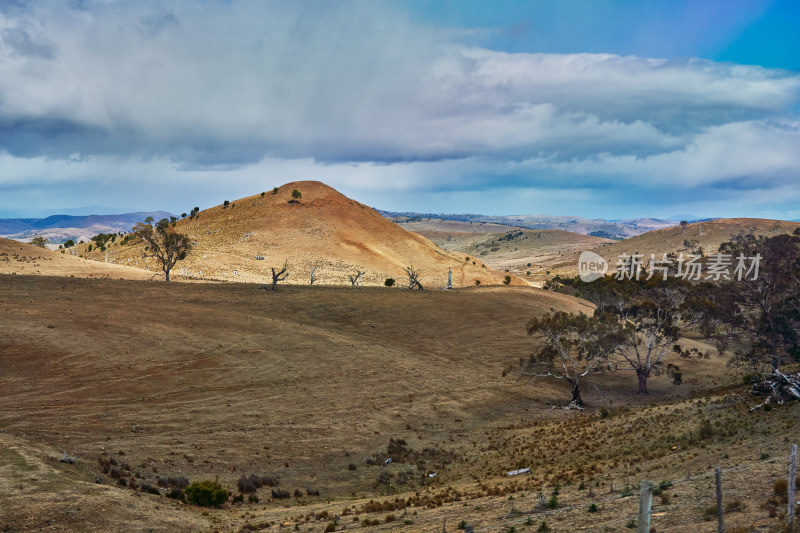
<point x="122" y="222"/>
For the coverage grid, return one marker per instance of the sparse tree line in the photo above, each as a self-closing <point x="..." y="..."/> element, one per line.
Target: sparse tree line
<point x="637" y="324"/>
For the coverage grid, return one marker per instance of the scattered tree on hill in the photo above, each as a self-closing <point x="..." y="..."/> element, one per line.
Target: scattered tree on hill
<point x="507" y="280"/>
<point x="183" y="215"/>
<point x="39" y="241"/>
<point x="389" y="282"/>
<point x="296" y="195"/>
<point x="274" y="190"/>
<point x="149" y="220"/>
<point x="358" y="278"/>
<point x="684" y="225"/>
<point x="193" y="212"/>
<point x="69" y="243"/>
<point x="573" y="346"/>
<point x="164" y="243"/>
<point x="413" y="276"/>
<point x="280" y="275"/>
<point x="226" y="203"/>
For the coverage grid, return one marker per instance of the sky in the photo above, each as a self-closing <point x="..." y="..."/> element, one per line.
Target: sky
<point x="597" y="108"/>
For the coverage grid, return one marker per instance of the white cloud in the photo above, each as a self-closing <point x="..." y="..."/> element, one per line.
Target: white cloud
<point x="245" y="88"/>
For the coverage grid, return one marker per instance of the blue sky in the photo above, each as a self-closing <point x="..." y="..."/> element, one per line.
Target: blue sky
<point x="597" y="108"/>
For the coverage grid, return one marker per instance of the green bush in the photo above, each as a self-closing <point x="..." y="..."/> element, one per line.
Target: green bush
<point x="507" y="280"/>
<point x="206" y="493"/>
<point x="389" y="282"/>
<point x="552" y="503"/>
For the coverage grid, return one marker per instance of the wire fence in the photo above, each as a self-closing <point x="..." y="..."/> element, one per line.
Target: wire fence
<point x="748" y="497"/>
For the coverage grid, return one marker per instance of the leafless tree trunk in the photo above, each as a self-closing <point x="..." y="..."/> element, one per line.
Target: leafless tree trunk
<point x="413" y="277"/>
<point x="313" y="275"/>
<point x="279" y="276"/>
<point x="358" y="278"/>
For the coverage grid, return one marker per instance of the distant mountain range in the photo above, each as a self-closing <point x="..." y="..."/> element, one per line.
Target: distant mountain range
<point x="59" y="228"/>
<point x="608" y="229"/>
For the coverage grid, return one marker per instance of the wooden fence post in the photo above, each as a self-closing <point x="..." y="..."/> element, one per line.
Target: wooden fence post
<point x="720" y="512"/>
<point x="792" y="477"/>
<point x="645" y="505"/>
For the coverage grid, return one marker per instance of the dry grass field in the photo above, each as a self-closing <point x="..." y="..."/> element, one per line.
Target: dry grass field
<point x="25" y="259"/>
<point x="311" y="384"/>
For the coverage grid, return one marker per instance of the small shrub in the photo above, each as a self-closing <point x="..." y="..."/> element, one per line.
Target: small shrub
<point x="593" y="508"/>
<point x="462" y="525"/>
<point x="507" y="280"/>
<point x="631" y="524"/>
<point x="149" y="489"/>
<point x="312" y="492"/>
<point x="352" y="466"/>
<point x="280" y="494"/>
<point x="543" y="528"/>
<point x="477" y="282"/>
<point x="176" y="494"/>
<point x="122" y="482"/>
<point x="781" y="488"/>
<point x="389" y="282"/>
<point x="389" y="518"/>
<point x="734" y="505"/>
<point x="274" y="190"/>
<point x="330" y="527"/>
<point x="552" y="503"/>
<point x="226" y="203"/>
<point x="262" y="194"/>
<point x="206" y="493"/>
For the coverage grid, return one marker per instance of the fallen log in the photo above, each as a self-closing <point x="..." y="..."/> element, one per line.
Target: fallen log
<point x="779" y="388"/>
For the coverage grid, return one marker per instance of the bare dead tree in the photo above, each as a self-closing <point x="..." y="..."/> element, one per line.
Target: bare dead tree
<point x="358" y="278"/>
<point x="279" y="276"/>
<point x="413" y="276"/>
<point x="313" y="275"/>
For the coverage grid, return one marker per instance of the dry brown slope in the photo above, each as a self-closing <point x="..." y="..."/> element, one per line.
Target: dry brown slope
<point x="708" y="235"/>
<point x="21" y="258"/>
<point x="324" y="229"/>
<point x="526" y="253"/>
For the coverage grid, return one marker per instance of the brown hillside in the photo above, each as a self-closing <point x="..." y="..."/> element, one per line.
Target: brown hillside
<point x="324" y="229"/>
<point x="709" y="236"/>
<point x="527" y="253"/>
<point x="21" y="258"/>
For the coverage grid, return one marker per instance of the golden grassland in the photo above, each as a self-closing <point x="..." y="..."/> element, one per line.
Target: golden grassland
<point x="318" y="386"/>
